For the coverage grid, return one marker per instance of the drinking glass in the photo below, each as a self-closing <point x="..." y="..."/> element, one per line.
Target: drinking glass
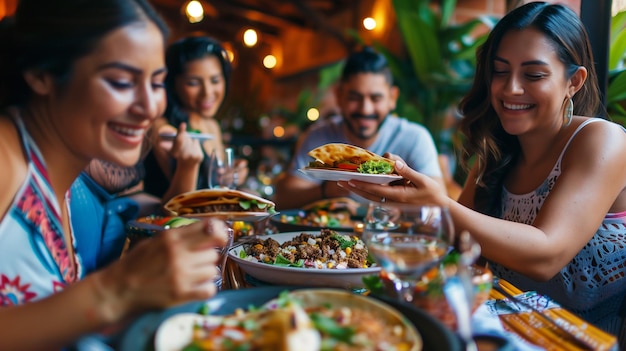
<point x="223" y="256"/>
<point x="407" y="241"/>
<point x="222" y="171"/>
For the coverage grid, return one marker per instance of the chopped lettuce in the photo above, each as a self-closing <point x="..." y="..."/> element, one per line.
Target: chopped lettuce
<point x="375" y="167"/>
<point x="246" y="204"/>
<point x="344" y="240"/>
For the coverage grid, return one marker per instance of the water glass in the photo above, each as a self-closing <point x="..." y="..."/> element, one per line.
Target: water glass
<point x="222" y="170"/>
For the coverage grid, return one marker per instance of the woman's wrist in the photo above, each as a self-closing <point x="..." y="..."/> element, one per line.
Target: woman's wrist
<point x="110" y="307"/>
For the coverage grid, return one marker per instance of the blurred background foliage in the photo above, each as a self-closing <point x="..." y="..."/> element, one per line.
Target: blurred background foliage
<point x="616" y="92"/>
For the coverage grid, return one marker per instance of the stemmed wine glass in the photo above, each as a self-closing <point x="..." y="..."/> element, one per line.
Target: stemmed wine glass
<point x="407" y="241"/>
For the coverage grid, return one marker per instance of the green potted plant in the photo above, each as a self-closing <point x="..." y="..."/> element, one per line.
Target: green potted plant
<point x="439" y="63"/>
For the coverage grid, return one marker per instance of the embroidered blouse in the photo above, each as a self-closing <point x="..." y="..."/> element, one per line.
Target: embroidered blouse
<point x="34" y="259"/>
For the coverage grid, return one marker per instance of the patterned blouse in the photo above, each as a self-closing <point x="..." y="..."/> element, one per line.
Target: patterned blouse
<point x="593" y="284"/>
<point x="34" y="260"/>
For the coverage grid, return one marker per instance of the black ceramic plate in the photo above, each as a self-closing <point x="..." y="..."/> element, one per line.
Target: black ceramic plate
<point x="139" y="336"/>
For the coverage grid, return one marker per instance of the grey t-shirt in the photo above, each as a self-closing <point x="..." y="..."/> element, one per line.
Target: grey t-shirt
<point x="409" y="140"/>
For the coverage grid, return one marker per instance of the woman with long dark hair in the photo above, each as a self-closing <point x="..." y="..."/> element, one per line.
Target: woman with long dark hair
<point x="82" y="80"/>
<point x="546" y="194"/>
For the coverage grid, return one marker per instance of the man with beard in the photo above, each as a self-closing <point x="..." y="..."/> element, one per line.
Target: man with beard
<point x="366" y="96"/>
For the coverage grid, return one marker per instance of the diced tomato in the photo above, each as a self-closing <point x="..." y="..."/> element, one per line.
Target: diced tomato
<point x="161" y="221"/>
<point x="350" y="166"/>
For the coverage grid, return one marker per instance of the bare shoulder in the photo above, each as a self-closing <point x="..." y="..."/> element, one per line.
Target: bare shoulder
<point x="11" y="158"/>
<point x="600" y="136"/>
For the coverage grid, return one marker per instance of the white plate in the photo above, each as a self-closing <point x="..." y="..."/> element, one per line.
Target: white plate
<point x="198" y="136"/>
<point x="233" y="216"/>
<point x="341" y="278"/>
<point x="333" y="175"/>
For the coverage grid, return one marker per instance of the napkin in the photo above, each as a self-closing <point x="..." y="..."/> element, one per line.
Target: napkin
<point x="485" y="321"/>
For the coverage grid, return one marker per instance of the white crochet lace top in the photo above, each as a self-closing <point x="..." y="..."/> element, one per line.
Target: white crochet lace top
<point x="593" y="284"/>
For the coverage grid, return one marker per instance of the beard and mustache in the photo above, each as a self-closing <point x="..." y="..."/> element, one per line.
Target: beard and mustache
<point x="361" y="133"/>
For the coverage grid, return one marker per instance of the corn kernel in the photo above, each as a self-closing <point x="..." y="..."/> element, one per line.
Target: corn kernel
<point x="348" y="250"/>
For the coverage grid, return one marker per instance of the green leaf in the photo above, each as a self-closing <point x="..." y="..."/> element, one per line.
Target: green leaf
<point x="245" y="204"/>
<point x="328" y="326"/>
<point x="617" y="87"/>
<point x="343" y="241"/>
<point x="281" y="260"/>
<point x="373" y="283"/>
<point x="617" y="51"/>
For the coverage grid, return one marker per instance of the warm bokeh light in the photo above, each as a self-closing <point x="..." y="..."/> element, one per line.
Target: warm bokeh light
<point x="313" y="114"/>
<point x="269" y="61"/>
<point x="369" y="23"/>
<point x="194" y="11"/>
<point x="231" y="55"/>
<point x="250" y="37"/>
<point x="279" y="131"/>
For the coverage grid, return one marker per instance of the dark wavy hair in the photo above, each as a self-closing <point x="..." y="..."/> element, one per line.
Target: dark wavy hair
<point x="493" y="149"/>
<point x="51" y="35"/>
<point x="177" y="56"/>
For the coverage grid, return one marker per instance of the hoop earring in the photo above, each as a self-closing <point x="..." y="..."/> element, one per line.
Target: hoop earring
<point x="568" y="113"/>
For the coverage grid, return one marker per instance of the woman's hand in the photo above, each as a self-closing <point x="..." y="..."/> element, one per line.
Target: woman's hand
<point x="176" y="266"/>
<point x="242" y="170"/>
<point x="186" y="151"/>
<point x="413" y="188"/>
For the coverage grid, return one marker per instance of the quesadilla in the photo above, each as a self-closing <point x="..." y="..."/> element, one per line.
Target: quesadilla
<point x="218" y="200"/>
<point x="349" y="158"/>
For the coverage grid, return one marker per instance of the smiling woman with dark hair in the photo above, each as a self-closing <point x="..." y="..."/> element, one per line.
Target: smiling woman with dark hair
<point x="546" y="194"/>
<point x="197" y="82"/>
<point x="81" y="80"/>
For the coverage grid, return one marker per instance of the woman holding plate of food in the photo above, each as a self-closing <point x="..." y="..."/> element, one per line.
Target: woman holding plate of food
<point x="546" y="194"/>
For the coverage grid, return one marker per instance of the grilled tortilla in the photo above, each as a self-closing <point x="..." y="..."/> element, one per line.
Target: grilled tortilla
<point x="350" y="158"/>
<point x="217" y="200"/>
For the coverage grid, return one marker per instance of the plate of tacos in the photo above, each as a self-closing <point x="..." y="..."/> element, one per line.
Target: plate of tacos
<point x="228" y="204"/>
<point x="345" y="162"/>
<point x="148" y="331"/>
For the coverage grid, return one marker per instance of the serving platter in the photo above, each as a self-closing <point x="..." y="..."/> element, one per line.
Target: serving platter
<point x="334" y="176"/>
<point x="140" y="334"/>
<point x="348" y="278"/>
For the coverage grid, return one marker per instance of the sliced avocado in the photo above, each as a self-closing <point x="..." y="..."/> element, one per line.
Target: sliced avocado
<point x="180" y="222"/>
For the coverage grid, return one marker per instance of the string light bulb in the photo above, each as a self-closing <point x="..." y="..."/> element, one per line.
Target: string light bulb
<point x="194" y="11"/>
<point x="369" y="23"/>
<point x="250" y="37"/>
<point x="269" y="61"/>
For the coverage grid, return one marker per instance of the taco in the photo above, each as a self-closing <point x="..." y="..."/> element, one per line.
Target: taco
<point x="217" y="200"/>
<point x="350" y="158"/>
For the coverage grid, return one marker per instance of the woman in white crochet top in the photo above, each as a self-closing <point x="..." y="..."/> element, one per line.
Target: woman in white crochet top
<point x="546" y="194"/>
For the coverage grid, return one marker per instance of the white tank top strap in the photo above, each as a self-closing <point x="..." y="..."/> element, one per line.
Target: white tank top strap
<point x="578" y="129"/>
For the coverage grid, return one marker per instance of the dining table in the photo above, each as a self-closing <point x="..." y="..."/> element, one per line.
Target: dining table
<point x="529" y="320"/>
